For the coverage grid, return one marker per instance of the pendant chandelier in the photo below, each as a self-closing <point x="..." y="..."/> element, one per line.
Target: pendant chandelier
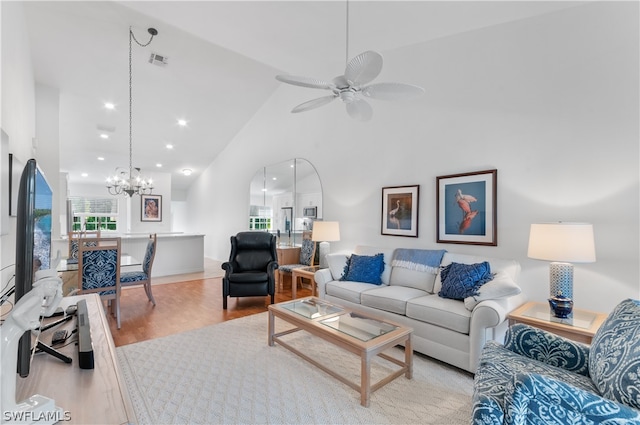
<point x="131" y="181"/>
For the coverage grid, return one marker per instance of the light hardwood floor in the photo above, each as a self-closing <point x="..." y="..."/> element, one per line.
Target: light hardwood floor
<point x="183" y="305"/>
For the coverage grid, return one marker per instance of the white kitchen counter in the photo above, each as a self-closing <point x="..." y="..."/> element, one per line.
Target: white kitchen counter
<point x="177" y="253"/>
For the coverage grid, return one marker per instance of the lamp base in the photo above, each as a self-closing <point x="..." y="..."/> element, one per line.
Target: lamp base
<point x="324" y="248"/>
<point x="561" y="279"/>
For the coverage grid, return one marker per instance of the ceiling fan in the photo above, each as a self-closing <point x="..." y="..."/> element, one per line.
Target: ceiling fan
<point x="351" y="87"/>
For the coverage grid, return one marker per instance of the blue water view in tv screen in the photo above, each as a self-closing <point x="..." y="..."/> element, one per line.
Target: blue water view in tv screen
<point x="42" y="224"/>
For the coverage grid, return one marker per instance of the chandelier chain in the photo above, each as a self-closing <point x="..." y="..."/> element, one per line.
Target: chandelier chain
<point x="131" y="184"/>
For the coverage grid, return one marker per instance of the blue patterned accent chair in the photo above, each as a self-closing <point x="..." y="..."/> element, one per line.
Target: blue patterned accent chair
<point x="250" y="271"/>
<point x="307" y="256"/>
<point x="99" y="271"/>
<point x="540" y="378"/>
<point x="143" y="277"/>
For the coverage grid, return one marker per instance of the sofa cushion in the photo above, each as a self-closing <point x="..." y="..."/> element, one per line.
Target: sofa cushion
<point x="447" y="313"/>
<point x="390" y="298"/>
<point x="462" y="280"/>
<point x="614" y="360"/>
<point x="336" y="263"/>
<point x="412" y="279"/>
<point x="349" y="291"/>
<point x="364" y="268"/>
<point x="388" y="257"/>
<point x="501" y="286"/>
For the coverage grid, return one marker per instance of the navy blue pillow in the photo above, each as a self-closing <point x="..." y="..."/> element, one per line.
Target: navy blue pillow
<point x="460" y="281"/>
<point x="364" y="268"/>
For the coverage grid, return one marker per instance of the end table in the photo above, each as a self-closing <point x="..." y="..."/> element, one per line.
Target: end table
<point x="581" y="327"/>
<point x="303" y="272"/>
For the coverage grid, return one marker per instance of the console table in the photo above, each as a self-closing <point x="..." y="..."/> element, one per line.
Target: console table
<point x="91" y="396"/>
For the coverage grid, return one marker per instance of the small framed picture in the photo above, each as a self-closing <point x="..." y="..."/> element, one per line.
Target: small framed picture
<point x="466" y="208"/>
<point x="400" y="211"/>
<point x="151" y="208"/>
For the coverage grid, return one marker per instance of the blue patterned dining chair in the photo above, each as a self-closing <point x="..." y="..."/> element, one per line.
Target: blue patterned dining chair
<point x="74" y="237"/>
<point x="143" y="277"/>
<point x="307" y="257"/>
<point x="99" y="271"/>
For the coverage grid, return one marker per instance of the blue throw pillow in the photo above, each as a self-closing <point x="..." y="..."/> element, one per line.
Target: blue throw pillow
<point x="460" y="281"/>
<point x="364" y="268"/>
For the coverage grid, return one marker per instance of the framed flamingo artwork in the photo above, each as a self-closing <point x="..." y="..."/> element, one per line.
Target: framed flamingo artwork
<point x="400" y="211"/>
<point x="466" y="208"/>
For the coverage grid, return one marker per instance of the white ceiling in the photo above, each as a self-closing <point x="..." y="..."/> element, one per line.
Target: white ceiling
<point x="223" y="57"/>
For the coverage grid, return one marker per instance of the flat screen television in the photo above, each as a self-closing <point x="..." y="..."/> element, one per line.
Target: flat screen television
<point x="33" y="242"/>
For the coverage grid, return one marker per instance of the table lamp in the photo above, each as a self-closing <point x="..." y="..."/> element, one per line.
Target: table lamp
<point x="562" y="244"/>
<point x="325" y="232"/>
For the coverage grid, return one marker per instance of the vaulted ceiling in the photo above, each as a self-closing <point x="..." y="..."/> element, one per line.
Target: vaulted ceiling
<point x="222" y="60"/>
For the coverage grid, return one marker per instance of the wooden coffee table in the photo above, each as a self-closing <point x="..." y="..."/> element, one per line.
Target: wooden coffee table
<point x="355" y="332"/>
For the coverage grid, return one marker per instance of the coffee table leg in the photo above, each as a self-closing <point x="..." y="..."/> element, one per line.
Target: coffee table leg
<point x="408" y="358"/>
<point x="271" y="328"/>
<point x="365" y="380"/>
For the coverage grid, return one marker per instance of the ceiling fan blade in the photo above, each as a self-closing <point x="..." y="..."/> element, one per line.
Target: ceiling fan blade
<point x="313" y="83"/>
<point x="313" y="104"/>
<point x="392" y="91"/>
<point x="360" y="110"/>
<point x="363" y="68"/>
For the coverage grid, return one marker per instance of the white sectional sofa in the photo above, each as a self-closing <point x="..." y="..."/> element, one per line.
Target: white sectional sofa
<point x="453" y="331"/>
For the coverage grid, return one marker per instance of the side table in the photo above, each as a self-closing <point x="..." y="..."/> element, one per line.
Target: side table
<point x="581" y="327"/>
<point x="303" y="272"/>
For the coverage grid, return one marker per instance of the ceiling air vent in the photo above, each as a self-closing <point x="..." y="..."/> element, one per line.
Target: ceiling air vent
<point x="159" y="60"/>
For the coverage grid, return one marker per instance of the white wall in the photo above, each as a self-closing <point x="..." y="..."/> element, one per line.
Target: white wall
<point x="17" y="117"/>
<point x="129" y="208"/>
<point x="551" y="102"/>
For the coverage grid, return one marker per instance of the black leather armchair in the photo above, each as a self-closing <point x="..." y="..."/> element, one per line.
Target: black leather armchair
<point x="250" y="271"/>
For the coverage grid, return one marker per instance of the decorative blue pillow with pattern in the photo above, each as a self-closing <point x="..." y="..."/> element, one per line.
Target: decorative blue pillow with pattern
<point x="364" y="268"/>
<point x="460" y="281"/>
<point x="614" y="358"/>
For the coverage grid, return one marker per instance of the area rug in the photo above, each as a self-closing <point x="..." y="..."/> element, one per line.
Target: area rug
<point x="227" y="373"/>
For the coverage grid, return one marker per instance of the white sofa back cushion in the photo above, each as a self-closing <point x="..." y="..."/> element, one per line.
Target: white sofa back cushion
<point x="337" y="263"/>
<point x="510" y="267"/>
<point x="412" y="279"/>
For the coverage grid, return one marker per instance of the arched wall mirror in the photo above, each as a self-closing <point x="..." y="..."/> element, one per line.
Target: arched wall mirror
<point x="285" y="197"/>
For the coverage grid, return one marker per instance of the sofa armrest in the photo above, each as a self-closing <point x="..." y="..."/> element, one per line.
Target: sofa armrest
<point x="322" y="277"/>
<point x="541" y="399"/>
<point x="548" y="348"/>
<point x="488" y="320"/>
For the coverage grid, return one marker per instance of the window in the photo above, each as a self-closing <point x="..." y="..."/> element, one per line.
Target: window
<point x="94" y="214"/>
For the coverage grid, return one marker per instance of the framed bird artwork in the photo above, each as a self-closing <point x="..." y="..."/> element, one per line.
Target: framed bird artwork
<point x="400" y="211"/>
<point x="466" y="208"/>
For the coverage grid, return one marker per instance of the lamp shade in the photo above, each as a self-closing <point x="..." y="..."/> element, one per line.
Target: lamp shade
<point x="325" y="231"/>
<point x="562" y="242"/>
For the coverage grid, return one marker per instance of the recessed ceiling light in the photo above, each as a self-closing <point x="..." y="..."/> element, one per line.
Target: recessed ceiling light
<point x="169" y="146"/>
<point x="84" y="175"/>
<point x="101" y="158"/>
<point x="187" y="172"/>
<point x="182" y="123"/>
<point x="104" y="136"/>
<point x="274" y="178"/>
<point x="109" y="105"/>
<point x="158" y="165"/>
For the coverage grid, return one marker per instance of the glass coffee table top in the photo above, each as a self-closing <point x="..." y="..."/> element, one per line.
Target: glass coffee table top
<point x="312" y="308"/>
<point x="359" y="326"/>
